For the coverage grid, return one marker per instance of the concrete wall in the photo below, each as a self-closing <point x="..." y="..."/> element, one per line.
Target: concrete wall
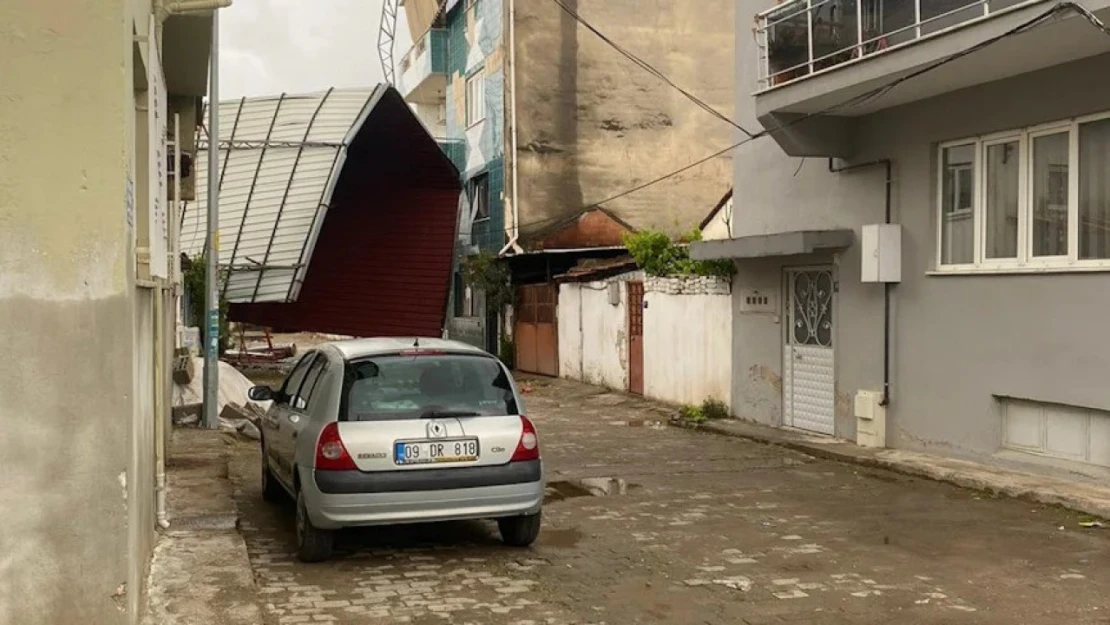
<point x="592" y="124"/>
<point x="593" y="334"/>
<point x="77" y="484"/>
<point x="687" y="336"/>
<point x="687" y="339"/>
<point x="958" y="341"/>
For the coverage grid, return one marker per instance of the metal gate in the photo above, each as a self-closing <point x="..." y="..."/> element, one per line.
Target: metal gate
<point x="809" y="386"/>
<point x="636" y="337"/>
<point x="534" y="329"/>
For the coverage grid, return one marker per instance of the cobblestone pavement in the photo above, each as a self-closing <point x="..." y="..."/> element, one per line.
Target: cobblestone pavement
<point x="709" y="530"/>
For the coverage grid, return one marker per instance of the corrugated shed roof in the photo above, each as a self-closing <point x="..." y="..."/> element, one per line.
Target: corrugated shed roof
<point x="280" y="158"/>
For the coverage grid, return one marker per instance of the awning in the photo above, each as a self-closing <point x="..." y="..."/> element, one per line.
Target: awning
<point x="280" y="158"/>
<point x="794" y="243"/>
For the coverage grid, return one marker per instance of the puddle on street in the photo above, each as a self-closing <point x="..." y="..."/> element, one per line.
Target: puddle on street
<point x="587" y="487"/>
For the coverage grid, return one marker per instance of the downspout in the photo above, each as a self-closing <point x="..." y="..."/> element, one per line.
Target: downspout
<point x="887" y="286"/>
<point x="512" y="244"/>
<point x="159" y="407"/>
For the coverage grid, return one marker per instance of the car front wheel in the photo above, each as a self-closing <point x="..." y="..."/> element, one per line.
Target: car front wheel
<point x="520" y="531"/>
<point x="313" y="544"/>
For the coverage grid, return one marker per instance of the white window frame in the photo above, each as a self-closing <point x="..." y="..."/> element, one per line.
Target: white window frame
<point x="1025" y="261"/>
<point x="475" y="106"/>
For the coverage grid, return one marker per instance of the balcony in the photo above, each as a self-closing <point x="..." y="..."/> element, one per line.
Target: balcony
<point x="424" y="69"/>
<point x="826" y="58"/>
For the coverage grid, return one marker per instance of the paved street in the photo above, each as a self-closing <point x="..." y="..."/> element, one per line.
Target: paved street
<point x="709" y="530"/>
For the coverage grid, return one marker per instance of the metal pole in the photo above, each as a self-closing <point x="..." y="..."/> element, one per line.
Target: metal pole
<point x="212" y="256"/>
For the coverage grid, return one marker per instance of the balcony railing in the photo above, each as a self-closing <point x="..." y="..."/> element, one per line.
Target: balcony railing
<point x="801" y="37"/>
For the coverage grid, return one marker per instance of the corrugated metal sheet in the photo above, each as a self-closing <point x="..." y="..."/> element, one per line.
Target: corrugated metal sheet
<point x="280" y="159"/>
<point x="382" y="263"/>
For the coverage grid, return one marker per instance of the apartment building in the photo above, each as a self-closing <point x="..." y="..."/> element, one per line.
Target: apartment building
<point x="922" y="240"/>
<point x="92" y="94"/>
<point x="548" y="123"/>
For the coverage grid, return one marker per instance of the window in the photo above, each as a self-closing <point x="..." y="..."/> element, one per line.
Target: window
<point x="475" y="98"/>
<point x="1029" y="200"/>
<point x="407" y="387"/>
<point x="292" y="385"/>
<point x="311" y="382"/>
<point x="479" y="197"/>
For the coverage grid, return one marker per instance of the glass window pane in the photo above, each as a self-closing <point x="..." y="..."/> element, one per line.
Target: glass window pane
<point x="937" y="15"/>
<point x="1001" y="180"/>
<point x="957" y="236"/>
<point x="1050" y="195"/>
<point x="1094" y="189"/>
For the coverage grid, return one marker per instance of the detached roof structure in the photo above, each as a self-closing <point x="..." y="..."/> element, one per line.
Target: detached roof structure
<point x="328" y="201"/>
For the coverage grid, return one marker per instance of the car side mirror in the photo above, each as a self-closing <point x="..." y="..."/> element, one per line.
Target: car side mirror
<point x="261" y="393"/>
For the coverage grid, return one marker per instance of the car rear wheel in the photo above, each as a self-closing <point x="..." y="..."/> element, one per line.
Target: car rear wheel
<point x="313" y="545"/>
<point x="272" y="492"/>
<point x="520" y="531"/>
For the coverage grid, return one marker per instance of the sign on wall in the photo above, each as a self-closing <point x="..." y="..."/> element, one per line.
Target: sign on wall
<point x="158" y="152"/>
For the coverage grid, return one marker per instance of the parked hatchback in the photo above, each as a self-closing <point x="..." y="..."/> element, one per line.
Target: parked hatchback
<point x="391" y="431"/>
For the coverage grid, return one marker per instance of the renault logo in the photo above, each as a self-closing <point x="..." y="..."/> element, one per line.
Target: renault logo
<point x="436" y="430"/>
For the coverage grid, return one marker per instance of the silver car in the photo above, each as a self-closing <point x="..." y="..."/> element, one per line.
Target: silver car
<point x="390" y="431"/>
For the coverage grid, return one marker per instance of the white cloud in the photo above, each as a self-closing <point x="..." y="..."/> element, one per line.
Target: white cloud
<point x="273" y="46"/>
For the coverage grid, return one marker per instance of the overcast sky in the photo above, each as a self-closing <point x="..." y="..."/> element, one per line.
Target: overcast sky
<point x="293" y="46"/>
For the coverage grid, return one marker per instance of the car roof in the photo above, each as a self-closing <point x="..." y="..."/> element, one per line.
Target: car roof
<point x="362" y="348"/>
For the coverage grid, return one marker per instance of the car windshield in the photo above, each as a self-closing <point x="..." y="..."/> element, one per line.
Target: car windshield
<point x="426" y="386"/>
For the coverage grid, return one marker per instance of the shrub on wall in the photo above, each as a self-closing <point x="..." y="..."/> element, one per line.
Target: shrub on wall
<point x="193" y="278"/>
<point x="659" y="256"/>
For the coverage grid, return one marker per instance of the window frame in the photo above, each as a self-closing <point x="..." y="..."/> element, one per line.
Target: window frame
<point x="1025" y="262"/>
<point x="476" y="183"/>
<point x="476" y="77"/>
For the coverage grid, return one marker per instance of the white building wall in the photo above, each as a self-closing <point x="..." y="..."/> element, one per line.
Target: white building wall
<point x="688" y="340"/>
<point x="687" y="336"/>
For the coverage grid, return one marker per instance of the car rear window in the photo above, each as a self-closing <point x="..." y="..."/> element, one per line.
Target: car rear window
<point x="426" y="386"/>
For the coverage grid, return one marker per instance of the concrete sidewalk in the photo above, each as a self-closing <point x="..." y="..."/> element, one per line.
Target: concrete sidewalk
<point x="1080" y="494"/>
<point x="200" y="573"/>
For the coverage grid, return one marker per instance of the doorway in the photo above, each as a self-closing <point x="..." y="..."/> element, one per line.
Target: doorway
<point x="636" y="337"/>
<point x="809" y="384"/>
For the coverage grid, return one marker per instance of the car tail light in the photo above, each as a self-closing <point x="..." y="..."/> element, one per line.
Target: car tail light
<point x="528" y="448"/>
<point x="331" y="455"/>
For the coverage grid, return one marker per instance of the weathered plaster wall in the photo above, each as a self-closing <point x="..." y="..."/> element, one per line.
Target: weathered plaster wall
<point x="67" y="305"/>
<point x="592" y="124"/>
<point x="958" y="341"/>
<point x="687" y="339"/>
<point x="593" y="334"/>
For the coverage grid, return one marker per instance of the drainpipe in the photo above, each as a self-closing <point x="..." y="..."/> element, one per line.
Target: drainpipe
<point x="887" y="286"/>
<point x="159" y="409"/>
<point x="512" y="244"/>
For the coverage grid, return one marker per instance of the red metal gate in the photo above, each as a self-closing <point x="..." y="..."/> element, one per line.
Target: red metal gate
<point x="636" y="337"/>
<point x="536" y="339"/>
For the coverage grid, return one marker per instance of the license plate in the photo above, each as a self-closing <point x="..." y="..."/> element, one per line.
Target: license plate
<point x="429" y="452"/>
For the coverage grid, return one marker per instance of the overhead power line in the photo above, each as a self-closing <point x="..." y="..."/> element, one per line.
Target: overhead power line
<point x="1055" y="10"/>
<point x="650" y="68"/>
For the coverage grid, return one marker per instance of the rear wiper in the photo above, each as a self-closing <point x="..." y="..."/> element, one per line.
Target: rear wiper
<point x="448" y="414"/>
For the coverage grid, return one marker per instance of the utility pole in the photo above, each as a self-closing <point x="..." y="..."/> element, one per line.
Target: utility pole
<point x="212" y="255"/>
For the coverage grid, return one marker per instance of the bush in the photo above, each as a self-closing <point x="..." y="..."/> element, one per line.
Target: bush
<point x="193" y="282"/>
<point x="507" y="352"/>
<point x="657" y="255"/>
<point x="714" y="409"/>
<point x="691" y="414"/>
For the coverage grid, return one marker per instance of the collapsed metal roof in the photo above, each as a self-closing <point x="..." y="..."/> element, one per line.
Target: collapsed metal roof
<point x="280" y="159"/>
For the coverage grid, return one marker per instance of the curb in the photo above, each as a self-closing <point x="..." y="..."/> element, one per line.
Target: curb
<point x="868" y="458"/>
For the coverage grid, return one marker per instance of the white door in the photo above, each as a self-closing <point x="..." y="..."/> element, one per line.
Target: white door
<point x="808" y="389"/>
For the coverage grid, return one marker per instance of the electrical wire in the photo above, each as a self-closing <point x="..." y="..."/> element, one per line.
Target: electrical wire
<point x="650" y="68"/>
<point x="1061" y="7"/>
